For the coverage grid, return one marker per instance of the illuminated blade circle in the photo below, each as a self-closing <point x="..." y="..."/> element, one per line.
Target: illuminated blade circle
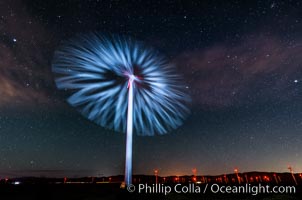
<point x="97" y="70"/>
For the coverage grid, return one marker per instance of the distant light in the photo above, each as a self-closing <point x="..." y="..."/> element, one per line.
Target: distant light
<point x="14" y="40"/>
<point x="16" y="183"/>
<point x="296" y="81"/>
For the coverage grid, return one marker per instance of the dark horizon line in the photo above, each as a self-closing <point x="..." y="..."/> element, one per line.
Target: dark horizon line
<point x="11" y="175"/>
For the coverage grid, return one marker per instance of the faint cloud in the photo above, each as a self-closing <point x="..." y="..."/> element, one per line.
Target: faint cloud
<point x="225" y="75"/>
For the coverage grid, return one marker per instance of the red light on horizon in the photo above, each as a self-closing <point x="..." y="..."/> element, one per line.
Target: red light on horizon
<point x="266" y="178"/>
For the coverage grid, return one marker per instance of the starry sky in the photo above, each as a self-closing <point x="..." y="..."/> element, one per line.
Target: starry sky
<point x="241" y="62"/>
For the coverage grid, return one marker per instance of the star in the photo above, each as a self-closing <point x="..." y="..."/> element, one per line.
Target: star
<point x="14" y="40"/>
<point x="296" y="81"/>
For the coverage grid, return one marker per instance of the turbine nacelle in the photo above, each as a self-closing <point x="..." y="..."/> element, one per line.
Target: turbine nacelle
<point x="131" y="79"/>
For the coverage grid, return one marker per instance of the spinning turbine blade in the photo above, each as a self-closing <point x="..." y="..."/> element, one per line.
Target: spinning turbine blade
<point x="122" y="85"/>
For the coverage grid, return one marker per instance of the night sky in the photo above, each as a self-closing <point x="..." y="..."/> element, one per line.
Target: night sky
<point x="241" y="62"/>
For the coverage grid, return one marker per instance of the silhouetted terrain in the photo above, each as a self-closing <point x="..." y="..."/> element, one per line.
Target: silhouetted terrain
<point x="93" y="188"/>
<point x="111" y="191"/>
